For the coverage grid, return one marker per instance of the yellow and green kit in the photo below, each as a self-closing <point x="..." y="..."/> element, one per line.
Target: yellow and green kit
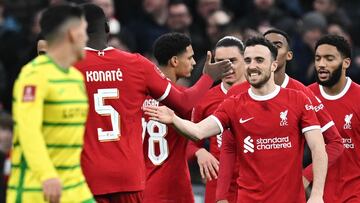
<point x="49" y="109"/>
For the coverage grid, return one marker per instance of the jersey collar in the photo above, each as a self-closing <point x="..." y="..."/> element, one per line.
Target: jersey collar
<point x="285" y="82"/>
<point x="264" y="97"/>
<point x="223" y="89"/>
<point x="106" y="49"/>
<point x="338" y="96"/>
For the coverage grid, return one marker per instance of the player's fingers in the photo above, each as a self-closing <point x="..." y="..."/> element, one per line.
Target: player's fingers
<point x="207" y="173"/>
<point x="215" y="165"/>
<point x="213" y="173"/>
<point x="208" y="57"/>
<point x="202" y="171"/>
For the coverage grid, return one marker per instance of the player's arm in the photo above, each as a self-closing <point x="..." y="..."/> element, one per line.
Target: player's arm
<point x="316" y="144"/>
<point x="194" y="131"/>
<point x="184" y="101"/>
<point x="28" y="112"/>
<point x="332" y="138"/>
<point x="208" y="164"/>
<point x="227" y="160"/>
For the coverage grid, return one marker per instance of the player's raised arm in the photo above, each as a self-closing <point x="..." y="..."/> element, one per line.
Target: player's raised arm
<point x="194" y="131"/>
<point x="183" y="101"/>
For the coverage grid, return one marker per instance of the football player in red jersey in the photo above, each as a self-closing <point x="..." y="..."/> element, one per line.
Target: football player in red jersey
<point x="340" y="95"/>
<point x="117" y="84"/>
<point x="332" y="137"/>
<point x="164" y="149"/>
<point x="270" y="125"/>
<point x="226" y="48"/>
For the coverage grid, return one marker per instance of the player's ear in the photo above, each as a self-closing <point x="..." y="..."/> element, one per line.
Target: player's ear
<point x="174" y="61"/>
<point x="346" y="63"/>
<point x="289" y="55"/>
<point x="274" y="65"/>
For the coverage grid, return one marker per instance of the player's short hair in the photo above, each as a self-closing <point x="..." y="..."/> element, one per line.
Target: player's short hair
<point x="280" y="32"/>
<point x="169" y="45"/>
<point x="95" y="18"/>
<point x="262" y="41"/>
<point x="230" y="41"/>
<point x="54" y="17"/>
<point x="341" y="44"/>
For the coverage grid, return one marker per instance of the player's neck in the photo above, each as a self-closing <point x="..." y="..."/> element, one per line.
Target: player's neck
<point x="337" y="88"/>
<point x="279" y="76"/>
<point x="60" y="55"/>
<point x="169" y="73"/>
<point x="96" y="44"/>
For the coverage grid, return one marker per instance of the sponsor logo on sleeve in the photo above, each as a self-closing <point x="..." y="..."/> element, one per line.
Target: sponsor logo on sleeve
<point x="29" y="93"/>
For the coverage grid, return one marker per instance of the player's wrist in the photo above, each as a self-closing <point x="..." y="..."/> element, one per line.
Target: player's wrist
<point x="199" y="152"/>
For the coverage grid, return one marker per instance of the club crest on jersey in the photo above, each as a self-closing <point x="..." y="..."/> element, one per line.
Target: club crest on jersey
<point x="347" y="120"/>
<point x="29" y="93"/>
<point x="283" y="117"/>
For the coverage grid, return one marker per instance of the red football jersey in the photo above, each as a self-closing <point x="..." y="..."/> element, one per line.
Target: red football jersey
<point x="343" y="178"/>
<point x="205" y="108"/>
<point x="269" y="134"/>
<point x="117" y="84"/>
<point x="167" y="172"/>
<point x="331" y="135"/>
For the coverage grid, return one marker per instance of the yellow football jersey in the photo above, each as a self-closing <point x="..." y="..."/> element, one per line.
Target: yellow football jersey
<point x="49" y="109"/>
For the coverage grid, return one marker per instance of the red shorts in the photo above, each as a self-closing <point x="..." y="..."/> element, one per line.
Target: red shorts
<point x="120" y="197"/>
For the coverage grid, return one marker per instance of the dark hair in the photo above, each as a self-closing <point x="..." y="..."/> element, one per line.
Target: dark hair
<point x="95" y="18"/>
<point x="280" y="32"/>
<point x="169" y="45"/>
<point x="337" y="41"/>
<point x="230" y="41"/>
<point x="262" y="41"/>
<point x="56" y="16"/>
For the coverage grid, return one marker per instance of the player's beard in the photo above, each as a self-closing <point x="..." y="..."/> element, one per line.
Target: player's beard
<point x="334" y="77"/>
<point x="262" y="81"/>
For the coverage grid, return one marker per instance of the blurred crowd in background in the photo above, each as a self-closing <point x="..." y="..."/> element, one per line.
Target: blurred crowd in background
<point x="135" y="24"/>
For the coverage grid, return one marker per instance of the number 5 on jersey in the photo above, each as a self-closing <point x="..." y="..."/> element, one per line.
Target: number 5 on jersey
<point x="107" y="110"/>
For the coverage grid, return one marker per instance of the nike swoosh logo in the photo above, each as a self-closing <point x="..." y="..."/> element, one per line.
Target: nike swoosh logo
<point x="246" y="120"/>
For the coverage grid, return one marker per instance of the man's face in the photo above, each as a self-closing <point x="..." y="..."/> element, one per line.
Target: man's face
<point x="237" y="60"/>
<point x="179" y="18"/>
<point x="80" y="39"/>
<point x="282" y="47"/>
<point x="328" y="65"/>
<point x="186" y="63"/>
<point x="258" y="65"/>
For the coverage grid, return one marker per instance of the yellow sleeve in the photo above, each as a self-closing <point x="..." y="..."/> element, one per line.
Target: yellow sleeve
<point x="29" y="94"/>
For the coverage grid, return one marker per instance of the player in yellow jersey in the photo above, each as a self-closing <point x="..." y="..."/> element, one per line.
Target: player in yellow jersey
<point x="50" y="109"/>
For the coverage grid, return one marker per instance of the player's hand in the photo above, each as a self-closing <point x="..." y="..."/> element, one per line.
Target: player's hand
<point x="218" y="69"/>
<point x="222" y="201"/>
<point x="160" y="113"/>
<point x="208" y="164"/>
<point x="52" y="190"/>
<point x="315" y="199"/>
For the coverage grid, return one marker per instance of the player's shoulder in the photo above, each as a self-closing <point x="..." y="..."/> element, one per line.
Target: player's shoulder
<point x="355" y="87"/>
<point x="314" y="86"/>
<point x="295" y="84"/>
<point x="238" y="88"/>
<point x="36" y="68"/>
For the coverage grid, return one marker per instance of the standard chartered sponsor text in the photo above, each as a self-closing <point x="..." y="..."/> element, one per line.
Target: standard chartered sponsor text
<point x="273" y="143"/>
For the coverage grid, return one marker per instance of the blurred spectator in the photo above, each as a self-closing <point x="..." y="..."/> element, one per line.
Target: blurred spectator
<point x="109" y="10"/>
<point x="312" y="27"/>
<point x="331" y="10"/>
<point x="11" y="46"/>
<point x="179" y="19"/>
<point x="265" y="15"/>
<point x="216" y="24"/>
<point x="6" y="124"/>
<point x="354" y="70"/>
<point x="148" y="27"/>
